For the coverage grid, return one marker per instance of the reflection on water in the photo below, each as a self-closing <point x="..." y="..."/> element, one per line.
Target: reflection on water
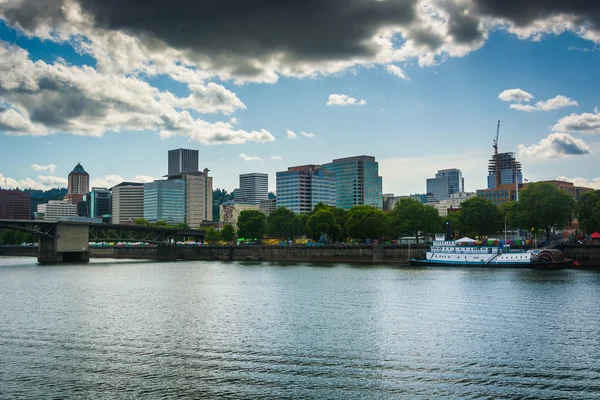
<point x="235" y="330"/>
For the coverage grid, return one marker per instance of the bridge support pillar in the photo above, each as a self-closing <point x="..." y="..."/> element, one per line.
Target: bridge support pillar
<point x="69" y="244"/>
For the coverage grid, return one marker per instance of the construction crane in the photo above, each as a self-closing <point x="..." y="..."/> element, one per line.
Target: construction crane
<point x="496" y="155"/>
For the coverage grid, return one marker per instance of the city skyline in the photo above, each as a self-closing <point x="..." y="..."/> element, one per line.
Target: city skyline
<point x="103" y="96"/>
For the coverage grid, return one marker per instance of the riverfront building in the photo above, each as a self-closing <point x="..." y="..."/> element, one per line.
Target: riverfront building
<point x="509" y="170"/>
<point x="14" y="204"/>
<point x="97" y="203"/>
<point x="254" y="187"/>
<point x="56" y="210"/>
<point x="183" y="160"/>
<point x="301" y="188"/>
<point x="508" y="192"/>
<point x="445" y="183"/>
<point x="165" y="201"/>
<point x="357" y="181"/>
<point x="198" y="197"/>
<point x="78" y="184"/>
<point x="127" y="202"/>
<point x="267" y="206"/>
<point x="230" y="211"/>
<point x="453" y="203"/>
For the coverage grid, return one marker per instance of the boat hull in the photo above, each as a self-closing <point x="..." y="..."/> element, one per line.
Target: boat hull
<point x="533" y="264"/>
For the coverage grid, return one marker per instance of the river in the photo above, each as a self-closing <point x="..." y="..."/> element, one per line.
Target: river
<point x="126" y="329"/>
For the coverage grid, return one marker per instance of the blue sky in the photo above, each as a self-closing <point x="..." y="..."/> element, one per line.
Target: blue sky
<point x="75" y="92"/>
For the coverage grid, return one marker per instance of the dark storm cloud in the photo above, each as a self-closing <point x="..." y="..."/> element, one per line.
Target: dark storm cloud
<point x="523" y="13"/>
<point x="307" y="29"/>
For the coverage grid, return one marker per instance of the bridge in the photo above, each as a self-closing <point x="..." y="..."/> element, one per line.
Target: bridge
<point x="64" y="241"/>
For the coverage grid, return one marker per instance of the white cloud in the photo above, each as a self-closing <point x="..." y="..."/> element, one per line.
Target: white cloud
<point x="46" y="98"/>
<point x="144" y="178"/>
<point x="583" y="123"/>
<point x="43" y="182"/>
<point x="50" y="168"/>
<point x="547" y="105"/>
<point x="555" y="145"/>
<point x="517" y="95"/>
<point x="307" y="134"/>
<point x="343" y="100"/>
<point x="397" y="72"/>
<point x="234" y="121"/>
<point x="291" y="134"/>
<point x="250" y="158"/>
<point x="107" y="181"/>
<point x="276" y="158"/>
<point x="579" y="181"/>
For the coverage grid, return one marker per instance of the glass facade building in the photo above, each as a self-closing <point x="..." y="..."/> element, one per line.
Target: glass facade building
<point x="165" y="201"/>
<point x="446" y="183"/>
<point x="254" y="187"/>
<point x="357" y="181"/>
<point x="509" y="170"/>
<point x="301" y="188"/>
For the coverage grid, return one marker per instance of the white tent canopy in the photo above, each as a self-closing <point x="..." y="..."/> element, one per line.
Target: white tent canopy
<point x="467" y="240"/>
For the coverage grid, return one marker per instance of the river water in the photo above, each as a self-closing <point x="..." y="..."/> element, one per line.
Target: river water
<point x="115" y="329"/>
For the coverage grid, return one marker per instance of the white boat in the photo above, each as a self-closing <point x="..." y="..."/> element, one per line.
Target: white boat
<point x="468" y="252"/>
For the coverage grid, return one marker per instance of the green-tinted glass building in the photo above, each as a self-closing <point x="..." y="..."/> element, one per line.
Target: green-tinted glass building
<point x="357" y="181"/>
<point x="165" y="201"/>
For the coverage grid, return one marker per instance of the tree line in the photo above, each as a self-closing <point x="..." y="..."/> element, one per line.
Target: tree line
<point x="542" y="208"/>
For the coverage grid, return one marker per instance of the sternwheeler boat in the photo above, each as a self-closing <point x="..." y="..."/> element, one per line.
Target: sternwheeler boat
<point x="467" y="252"/>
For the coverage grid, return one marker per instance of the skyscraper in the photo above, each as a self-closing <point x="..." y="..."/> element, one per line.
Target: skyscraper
<point x="357" y="181"/>
<point x="301" y="188"/>
<point x="79" y="184"/>
<point x="254" y="187"/>
<point x="14" y="204"/>
<point x="198" y="197"/>
<point x="445" y="183"/>
<point x="127" y="202"/>
<point x="97" y="203"/>
<point x="183" y="160"/>
<point x="165" y="201"/>
<point x="509" y="170"/>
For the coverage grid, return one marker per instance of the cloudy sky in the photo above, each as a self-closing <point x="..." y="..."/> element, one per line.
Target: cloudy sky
<point x="258" y="86"/>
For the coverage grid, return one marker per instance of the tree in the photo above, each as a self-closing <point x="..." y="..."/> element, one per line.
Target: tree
<point x="588" y="212"/>
<point x="182" y="225"/>
<point x="340" y="218"/>
<point x="412" y="217"/>
<point x="251" y="224"/>
<point x="323" y="222"/>
<point x="452" y="220"/>
<point x="142" y="222"/>
<point x="162" y="224"/>
<point x="228" y="233"/>
<point x="366" y="222"/>
<point x="219" y="197"/>
<point x="283" y="223"/>
<point x="480" y="216"/>
<point x="212" y="235"/>
<point x="544" y="206"/>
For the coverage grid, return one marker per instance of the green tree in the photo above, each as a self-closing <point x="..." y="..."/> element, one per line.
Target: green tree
<point x="283" y="223"/>
<point x="219" y="197"/>
<point x="162" y="224"/>
<point x="182" y="225"/>
<point x="323" y="222"/>
<point x="340" y="219"/>
<point x="543" y="206"/>
<point x="251" y="224"/>
<point x="228" y="233"/>
<point x="453" y="220"/>
<point x="480" y="216"/>
<point x="412" y="217"/>
<point x="366" y="222"/>
<point x="303" y="218"/>
<point x="212" y="235"/>
<point x="588" y="212"/>
<point x="142" y="222"/>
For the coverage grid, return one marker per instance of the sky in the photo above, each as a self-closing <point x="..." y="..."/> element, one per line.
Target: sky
<point x="259" y="86"/>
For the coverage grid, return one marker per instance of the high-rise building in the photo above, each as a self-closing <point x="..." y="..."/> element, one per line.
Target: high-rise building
<point x="301" y="188"/>
<point x="165" y="201"/>
<point x="509" y="170"/>
<point x="96" y="204"/>
<point x="267" y="206"/>
<point x="127" y="202"/>
<point x="14" y="204"/>
<point x="198" y="197"/>
<point x="357" y="181"/>
<point x="445" y="183"/>
<point x="183" y="160"/>
<point x="254" y="187"/>
<point x="79" y="184"/>
<point x="56" y="210"/>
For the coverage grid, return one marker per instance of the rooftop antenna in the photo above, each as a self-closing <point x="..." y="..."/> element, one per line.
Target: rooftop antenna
<point x="496" y="155"/>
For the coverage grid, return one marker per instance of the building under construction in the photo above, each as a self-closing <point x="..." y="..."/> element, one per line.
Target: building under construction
<point x="503" y="169"/>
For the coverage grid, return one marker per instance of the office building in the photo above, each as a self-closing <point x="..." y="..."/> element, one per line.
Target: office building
<point x="507" y="168"/>
<point x="198" y="197"/>
<point x="445" y="183"/>
<point x="78" y="184"/>
<point x="445" y="206"/>
<point x="254" y="187"/>
<point x="267" y="206"/>
<point x="388" y="202"/>
<point x="14" y="204"/>
<point x="96" y="204"/>
<point x="183" y="160"/>
<point x="508" y="192"/>
<point x="301" y="188"/>
<point x="127" y="202"/>
<point x="357" y="181"/>
<point x="56" y="210"/>
<point x="230" y="212"/>
<point x="165" y="201"/>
